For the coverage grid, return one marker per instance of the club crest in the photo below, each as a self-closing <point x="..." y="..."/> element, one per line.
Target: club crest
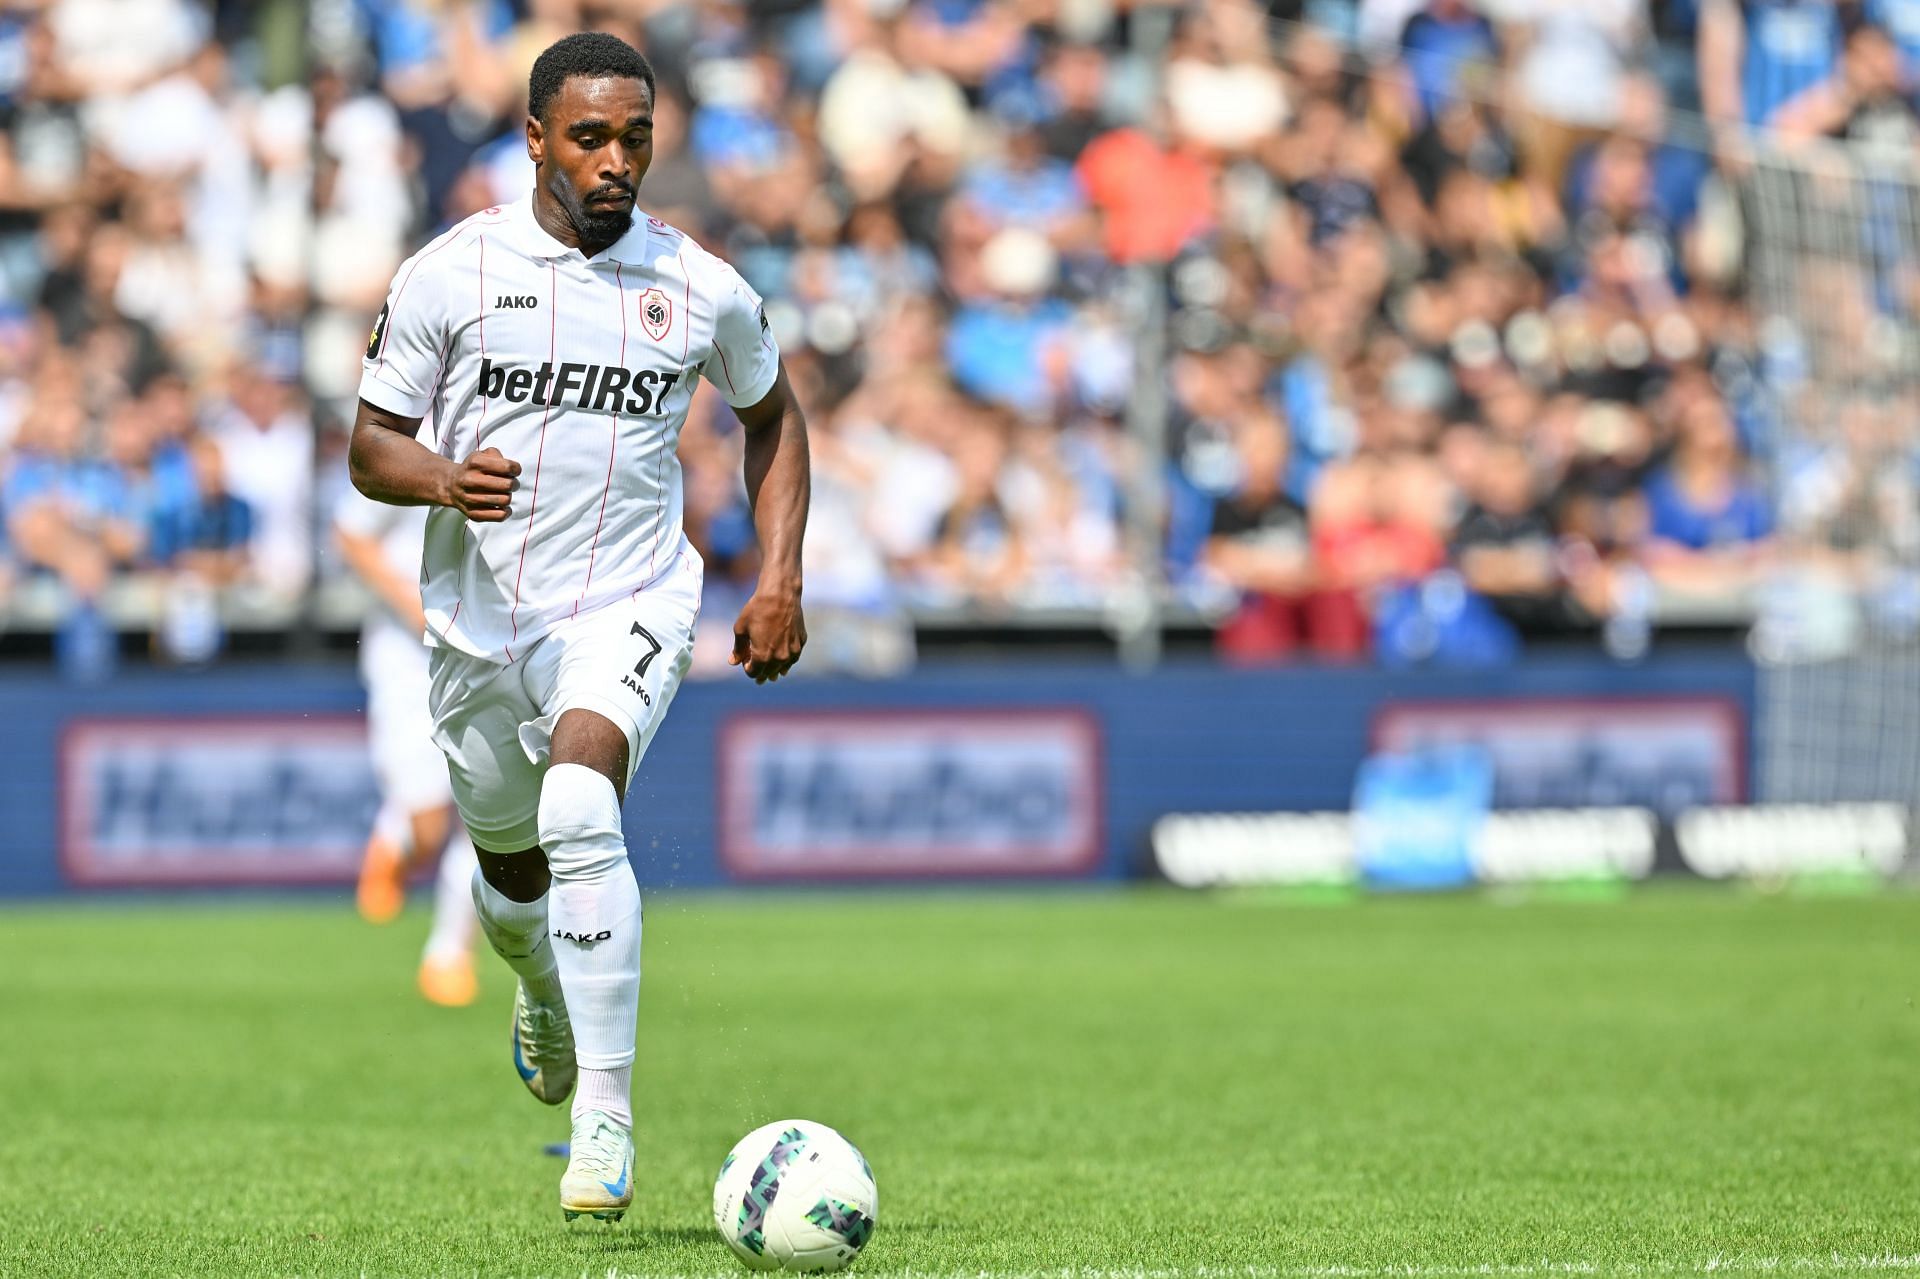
<point x="656" y="314"/>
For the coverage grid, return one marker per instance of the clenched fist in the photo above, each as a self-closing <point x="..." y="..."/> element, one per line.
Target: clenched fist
<point x="481" y="488"/>
<point x="769" y="635"/>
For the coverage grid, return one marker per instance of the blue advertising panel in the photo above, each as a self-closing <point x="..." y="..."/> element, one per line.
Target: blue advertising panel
<point x="253" y="773"/>
<point x="908" y="794"/>
<point x="208" y="800"/>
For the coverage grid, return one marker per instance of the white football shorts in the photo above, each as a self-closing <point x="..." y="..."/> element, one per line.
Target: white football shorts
<point x="495" y="722"/>
<point x="412" y="776"/>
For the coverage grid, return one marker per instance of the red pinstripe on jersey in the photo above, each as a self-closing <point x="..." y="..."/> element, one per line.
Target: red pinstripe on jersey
<point x="480" y="427"/>
<point x="533" y="502"/>
<point x="686" y="337"/>
<point x="613" y="440"/>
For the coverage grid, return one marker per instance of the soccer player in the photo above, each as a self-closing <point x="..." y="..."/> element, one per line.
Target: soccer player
<point x="556" y="342"/>
<point x="381" y="544"/>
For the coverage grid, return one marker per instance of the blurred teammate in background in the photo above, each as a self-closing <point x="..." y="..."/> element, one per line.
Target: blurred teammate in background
<point x="557" y="342"/>
<point x="382" y="544"/>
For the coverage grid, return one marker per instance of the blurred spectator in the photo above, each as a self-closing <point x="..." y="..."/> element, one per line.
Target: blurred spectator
<point x="1261" y="546"/>
<point x="205" y="534"/>
<point x="978" y="550"/>
<point x="1002" y="346"/>
<point x="1602" y="510"/>
<point x="1635" y="178"/>
<point x="1224" y="91"/>
<point x="1707" y="519"/>
<point x="1153" y="200"/>
<point x="1570" y="64"/>
<point x="121" y="45"/>
<point x="1505" y="544"/>
<point x="1869" y="98"/>
<point x="1332" y="190"/>
<point x="1756" y="56"/>
<point x="266" y="441"/>
<point x="1376" y="522"/>
<point x="1900" y="20"/>
<point x="1025" y="186"/>
<point x="72" y="516"/>
<point x="69" y="511"/>
<point x="1073" y="99"/>
<point x="1443" y="41"/>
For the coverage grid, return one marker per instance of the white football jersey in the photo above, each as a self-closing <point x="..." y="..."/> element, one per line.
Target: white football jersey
<point x="581" y="370"/>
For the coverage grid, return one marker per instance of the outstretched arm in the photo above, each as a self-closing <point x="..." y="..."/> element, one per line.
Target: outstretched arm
<point x="389" y="465"/>
<point x="771" y="630"/>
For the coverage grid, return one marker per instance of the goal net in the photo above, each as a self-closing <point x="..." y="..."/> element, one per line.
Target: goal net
<point x="1833" y="269"/>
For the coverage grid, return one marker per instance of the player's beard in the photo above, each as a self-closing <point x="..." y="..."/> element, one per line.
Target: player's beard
<point x="596" y="226"/>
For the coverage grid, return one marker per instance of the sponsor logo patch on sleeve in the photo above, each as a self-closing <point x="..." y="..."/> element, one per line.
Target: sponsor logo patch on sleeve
<point x="379" y="331"/>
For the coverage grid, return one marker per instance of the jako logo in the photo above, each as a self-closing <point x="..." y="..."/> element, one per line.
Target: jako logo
<point x="585" y="939"/>
<point x="516" y="302"/>
<point x="593" y="387"/>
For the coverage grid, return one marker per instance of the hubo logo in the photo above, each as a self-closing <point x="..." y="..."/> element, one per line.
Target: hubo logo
<point x="516" y="302"/>
<point x="585" y="939"/>
<point x="593" y="387"/>
<point x="928" y="793"/>
<point x="256" y="799"/>
<point x="1668" y="754"/>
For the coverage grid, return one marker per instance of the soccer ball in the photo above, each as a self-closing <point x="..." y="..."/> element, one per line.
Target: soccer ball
<point x="795" y="1195"/>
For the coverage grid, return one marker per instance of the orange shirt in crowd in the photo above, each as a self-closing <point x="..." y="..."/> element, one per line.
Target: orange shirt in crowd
<point x="1153" y="200"/>
<point x="1364" y="553"/>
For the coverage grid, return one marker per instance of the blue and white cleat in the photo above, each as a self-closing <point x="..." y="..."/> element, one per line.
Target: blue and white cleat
<point x="543" y="1048"/>
<point x="599" y="1178"/>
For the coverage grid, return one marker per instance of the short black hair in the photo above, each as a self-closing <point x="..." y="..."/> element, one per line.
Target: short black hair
<point x="593" y="54"/>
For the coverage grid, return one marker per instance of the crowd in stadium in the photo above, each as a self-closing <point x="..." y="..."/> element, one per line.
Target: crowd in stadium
<point x="1455" y="345"/>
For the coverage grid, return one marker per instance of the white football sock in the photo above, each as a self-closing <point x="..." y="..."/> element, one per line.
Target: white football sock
<point x="517" y="931"/>
<point x="453" y="909"/>
<point x="595" y="926"/>
<point x="610" y="1091"/>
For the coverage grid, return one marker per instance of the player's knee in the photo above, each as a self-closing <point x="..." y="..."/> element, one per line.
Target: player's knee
<point x="580" y="822"/>
<point x="520" y="877"/>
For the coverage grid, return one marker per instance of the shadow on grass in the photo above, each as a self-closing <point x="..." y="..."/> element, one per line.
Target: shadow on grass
<point x="634" y="1238"/>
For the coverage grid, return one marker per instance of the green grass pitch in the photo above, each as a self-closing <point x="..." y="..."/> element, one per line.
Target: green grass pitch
<point x="1691" y="1080"/>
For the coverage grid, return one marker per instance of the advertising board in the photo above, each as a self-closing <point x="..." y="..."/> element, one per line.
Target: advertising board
<point x="1774" y="841"/>
<point x="269" y="799"/>
<point x="944" y="793"/>
<point x="1668" y="754"/>
<point x="1538" y="846"/>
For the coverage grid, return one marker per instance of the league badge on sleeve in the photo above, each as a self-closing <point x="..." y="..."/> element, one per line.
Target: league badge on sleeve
<point x="379" y="331"/>
<point x="656" y="314"/>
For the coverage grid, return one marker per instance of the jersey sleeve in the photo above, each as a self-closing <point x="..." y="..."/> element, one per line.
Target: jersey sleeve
<point x="408" y="342"/>
<point x="745" y="357"/>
